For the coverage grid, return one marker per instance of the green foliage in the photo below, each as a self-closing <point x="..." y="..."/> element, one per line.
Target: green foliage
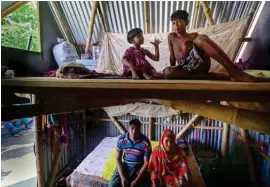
<point x="19" y="25"/>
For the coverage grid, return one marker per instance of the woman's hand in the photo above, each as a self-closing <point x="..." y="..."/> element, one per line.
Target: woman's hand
<point x="124" y="182"/>
<point x="134" y="183"/>
<point x="156" y="42"/>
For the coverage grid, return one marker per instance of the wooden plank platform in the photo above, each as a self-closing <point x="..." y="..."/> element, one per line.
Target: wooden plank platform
<point x="52" y="82"/>
<point x="57" y="95"/>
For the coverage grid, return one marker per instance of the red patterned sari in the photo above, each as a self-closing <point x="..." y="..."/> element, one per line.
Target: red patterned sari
<point x="169" y="168"/>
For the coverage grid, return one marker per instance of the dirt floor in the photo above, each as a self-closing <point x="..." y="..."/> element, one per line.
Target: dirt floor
<point x="18" y="165"/>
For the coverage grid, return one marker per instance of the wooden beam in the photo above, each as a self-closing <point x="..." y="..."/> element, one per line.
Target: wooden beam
<point x="13" y="8"/>
<point x="197" y="6"/>
<point x="146" y="17"/>
<point x="91" y="24"/>
<point x="241" y="118"/>
<point x="248" y="156"/>
<point x="207" y="12"/>
<point x="225" y="136"/>
<point x="118" y="125"/>
<point x="188" y="125"/>
<point x="151" y="128"/>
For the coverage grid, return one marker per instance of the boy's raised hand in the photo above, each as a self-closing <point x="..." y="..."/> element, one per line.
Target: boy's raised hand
<point x="156" y="42"/>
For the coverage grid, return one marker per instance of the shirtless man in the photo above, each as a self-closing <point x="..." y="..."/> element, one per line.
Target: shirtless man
<point x="192" y="52"/>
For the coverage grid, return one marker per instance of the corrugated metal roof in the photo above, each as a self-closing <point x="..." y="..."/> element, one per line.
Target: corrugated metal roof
<point x="121" y="16"/>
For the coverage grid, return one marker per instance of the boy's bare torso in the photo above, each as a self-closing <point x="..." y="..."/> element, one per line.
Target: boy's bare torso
<point x="181" y="47"/>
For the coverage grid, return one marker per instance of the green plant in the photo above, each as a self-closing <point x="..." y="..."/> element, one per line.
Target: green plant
<point x="19" y="25"/>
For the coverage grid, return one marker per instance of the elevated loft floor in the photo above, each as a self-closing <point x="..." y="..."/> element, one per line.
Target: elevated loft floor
<point x="63" y="95"/>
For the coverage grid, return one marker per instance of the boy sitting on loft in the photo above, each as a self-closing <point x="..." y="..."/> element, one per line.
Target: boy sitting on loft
<point x="192" y="53"/>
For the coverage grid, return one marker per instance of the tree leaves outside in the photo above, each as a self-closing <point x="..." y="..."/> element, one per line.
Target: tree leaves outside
<point x="18" y="26"/>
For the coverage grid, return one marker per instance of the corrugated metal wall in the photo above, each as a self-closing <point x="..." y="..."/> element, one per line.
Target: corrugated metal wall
<point x="262" y="165"/>
<point x="198" y="138"/>
<point x="71" y="153"/>
<point x="121" y="16"/>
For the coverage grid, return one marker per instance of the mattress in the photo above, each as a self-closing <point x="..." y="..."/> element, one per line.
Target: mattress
<point x="89" y="172"/>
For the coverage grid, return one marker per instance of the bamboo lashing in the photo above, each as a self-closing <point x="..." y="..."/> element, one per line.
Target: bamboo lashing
<point x="207" y="12"/>
<point x="239" y="117"/>
<point x="197" y="6"/>
<point x="225" y="136"/>
<point x="91" y="25"/>
<point x="13" y="8"/>
<point x="146" y="18"/>
<point x="118" y="125"/>
<point x="188" y="125"/>
<point x="248" y="156"/>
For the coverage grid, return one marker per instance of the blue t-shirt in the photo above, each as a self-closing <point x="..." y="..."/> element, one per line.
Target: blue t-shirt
<point x="134" y="153"/>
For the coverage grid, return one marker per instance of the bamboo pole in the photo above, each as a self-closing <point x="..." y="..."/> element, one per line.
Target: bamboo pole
<point x="167" y="124"/>
<point x="38" y="134"/>
<point x="146" y="18"/>
<point x="248" y="156"/>
<point x="91" y="24"/>
<point x="55" y="165"/>
<point x="118" y="125"/>
<point x="243" y="34"/>
<point x="13" y="8"/>
<point x="258" y="152"/>
<point x="151" y="128"/>
<point x="62" y="25"/>
<point x="241" y="118"/>
<point x="102" y="17"/>
<point x="207" y="12"/>
<point x="188" y="125"/>
<point x="197" y="6"/>
<point x="84" y="133"/>
<point x="225" y="136"/>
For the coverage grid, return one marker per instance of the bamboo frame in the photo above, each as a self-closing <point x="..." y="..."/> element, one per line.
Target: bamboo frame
<point x="151" y="128"/>
<point x="55" y="164"/>
<point x="13" y="8"/>
<point x="225" y="136"/>
<point x="188" y="125"/>
<point x="63" y="27"/>
<point x="167" y="124"/>
<point x="102" y="17"/>
<point x="84" y="134"/>
<point x="241" y="118"/>
<point x="146" y="18"/>
<point x="248" y="156"/>
<point x="197" y="6"/>
<point x="91" y="25"/>
<point x="118" y="125"/>
<point x="207" y="12"/>
<point x="38" y="135"/>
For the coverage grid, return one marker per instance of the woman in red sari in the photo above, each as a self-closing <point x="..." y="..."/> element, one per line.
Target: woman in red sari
<point x="168" y="165"/>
